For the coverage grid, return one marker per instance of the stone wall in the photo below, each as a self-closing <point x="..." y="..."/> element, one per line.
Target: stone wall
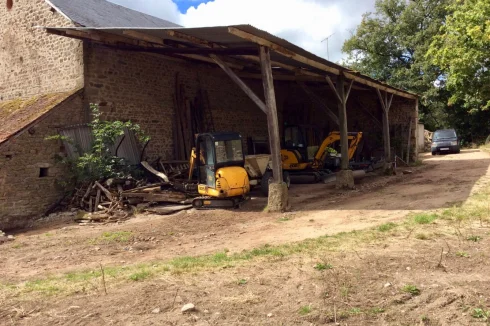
<point x="31" y="61"/>
<point x="25" y="191"/>
<point x="140" y="87"/>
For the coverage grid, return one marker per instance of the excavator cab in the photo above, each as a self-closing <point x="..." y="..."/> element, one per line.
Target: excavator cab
<point x="219" y="161"/>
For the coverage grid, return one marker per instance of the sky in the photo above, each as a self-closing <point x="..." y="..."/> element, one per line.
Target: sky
<point x="305" y="23"/>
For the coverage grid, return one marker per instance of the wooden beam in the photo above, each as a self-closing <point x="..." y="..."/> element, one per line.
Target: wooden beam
<point x="272" y="119"/>
<point x="192" y="39"/>
<point x="183" y="50"/>
<point x="334" y="89"/>
<point x="144" y="37"/>
<point x="239" y="82"/>
<point x="344" y="136"/>
<point x="281" y="50"/>
<point x="385" y="105"/>
<point x="380" y="97"/>
<point x="378" y="85"/>
<point x="281" y="76"/>
<point x="319" y="102"/>
<point x="348" y="90"/>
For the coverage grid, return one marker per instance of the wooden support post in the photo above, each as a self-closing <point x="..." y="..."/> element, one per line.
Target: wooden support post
<point x="241" y="83"/>
<point x="385" y="105"/>
<point x="344" y="140"/>
<point x="272" y="119"/>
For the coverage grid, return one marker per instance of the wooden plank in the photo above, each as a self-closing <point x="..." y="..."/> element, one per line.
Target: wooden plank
<point x="386" y="137"/>
<point x="159" y="174"/>
<point x="167" y="210"/>
<point x="171" y="197"/>
<point x="144" y="37"/>
<point x="272" y="119"/>
<point x="281" y="50"/>
<point x="240" y="83"/>
<point x="409" y="139"/>
<point x="319" y="102"/>
<point x="97" y="200"/>
<point x="344" y="140"/>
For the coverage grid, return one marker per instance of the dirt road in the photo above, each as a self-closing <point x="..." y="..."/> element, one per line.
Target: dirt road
<point x="319" y="209"/>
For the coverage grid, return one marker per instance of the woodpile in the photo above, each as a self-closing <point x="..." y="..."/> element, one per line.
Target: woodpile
<point x="427" y="140"/>
<point x="116" y="199"/>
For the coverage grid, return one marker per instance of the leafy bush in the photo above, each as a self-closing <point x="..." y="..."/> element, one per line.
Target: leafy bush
<point x="99" y="162"/>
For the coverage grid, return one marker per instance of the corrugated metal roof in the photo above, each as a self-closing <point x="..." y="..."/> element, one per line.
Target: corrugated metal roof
<point x="221" y="35"/>
<point x="101" y="13"/>
<point x="18" y="115"/>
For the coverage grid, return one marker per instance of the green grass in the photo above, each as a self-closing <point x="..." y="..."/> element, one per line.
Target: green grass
<point x="355" y="311"/>
<point x="139" y="276"/>
<point x="376" y="310"/>
<point x="322" y="267"/>
<point x="305" y="310"/>
<point x="412" y="289"/>
<point x="473" y="238"/>
<point x="386" y="227"/>
<point x="242" y="282"/>
<point x="113" y="237"/>
<point x="480" y="313"/>
<point x="470" y="211"/>
<point x="424" y="218"/>
<point x="462" y="254"/>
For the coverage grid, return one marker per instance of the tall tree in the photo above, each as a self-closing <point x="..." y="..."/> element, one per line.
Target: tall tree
<point x="391" y="45"/>
<point x="463" y="51"/>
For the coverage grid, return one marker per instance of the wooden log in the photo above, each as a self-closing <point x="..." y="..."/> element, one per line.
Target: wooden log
<point x="344" y="140"/>
<point x="90" y="209"/>
<point x="172" y="197"/>
<point x="272" y="119"/>
<point x="105" y="191"/>
<point x="155" y="172"/>
<point x="97" y="200"/>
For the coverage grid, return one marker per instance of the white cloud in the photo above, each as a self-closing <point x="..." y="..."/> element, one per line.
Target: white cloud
<point x="303" y="22"/>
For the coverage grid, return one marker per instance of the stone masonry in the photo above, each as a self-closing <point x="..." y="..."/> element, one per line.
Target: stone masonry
<point x="24" y="192"/>
<point x="31" y="61"/>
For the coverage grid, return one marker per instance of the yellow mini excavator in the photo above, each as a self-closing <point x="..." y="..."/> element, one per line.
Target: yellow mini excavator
<point x="300" y="159"/>
<point x="218" y="160"/>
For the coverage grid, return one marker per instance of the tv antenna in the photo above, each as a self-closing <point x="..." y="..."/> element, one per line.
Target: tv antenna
<point x="326" y="39"/>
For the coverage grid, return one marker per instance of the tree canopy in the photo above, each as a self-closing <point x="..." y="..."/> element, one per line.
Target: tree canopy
<point x="462" y="50"/>
<point x="410" y="45"/>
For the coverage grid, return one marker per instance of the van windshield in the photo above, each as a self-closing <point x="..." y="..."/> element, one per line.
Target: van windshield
<point x="444" y="134"/>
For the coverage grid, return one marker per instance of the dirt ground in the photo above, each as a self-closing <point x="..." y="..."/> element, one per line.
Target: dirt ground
<point x="361" y="288"/>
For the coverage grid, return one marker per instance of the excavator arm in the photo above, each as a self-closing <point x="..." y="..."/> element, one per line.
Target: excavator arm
<point x="354" y="140"/>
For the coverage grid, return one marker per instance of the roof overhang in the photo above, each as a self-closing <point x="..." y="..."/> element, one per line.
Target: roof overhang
<point x="236" y="44"/>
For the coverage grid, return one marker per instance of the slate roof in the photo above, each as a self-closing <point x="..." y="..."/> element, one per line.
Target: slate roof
<point x="102" y="13"/>
<point x="20" y="114"/>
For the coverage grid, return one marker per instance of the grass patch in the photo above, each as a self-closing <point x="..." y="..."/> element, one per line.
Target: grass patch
<point x="386" y="227"/>
<point x="284" y="219"/>
<point x="480" y="313"/>
<point x="355" y="311"/>
<point x="376" y="310"/>
<point x="113" y="237"/>
<point x="462" y="254"/>
<point x="473" y="238"/>
<point x="241" y="282"/>
<point x="424" y="218"/>
<point x="305" y="310"/>
<point x="139" y="276"/>
<point x="322" y="267"/>
<point x="412" y="289"/>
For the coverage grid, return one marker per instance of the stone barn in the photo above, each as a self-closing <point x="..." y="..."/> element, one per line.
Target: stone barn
<point x="59" y="56"/>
